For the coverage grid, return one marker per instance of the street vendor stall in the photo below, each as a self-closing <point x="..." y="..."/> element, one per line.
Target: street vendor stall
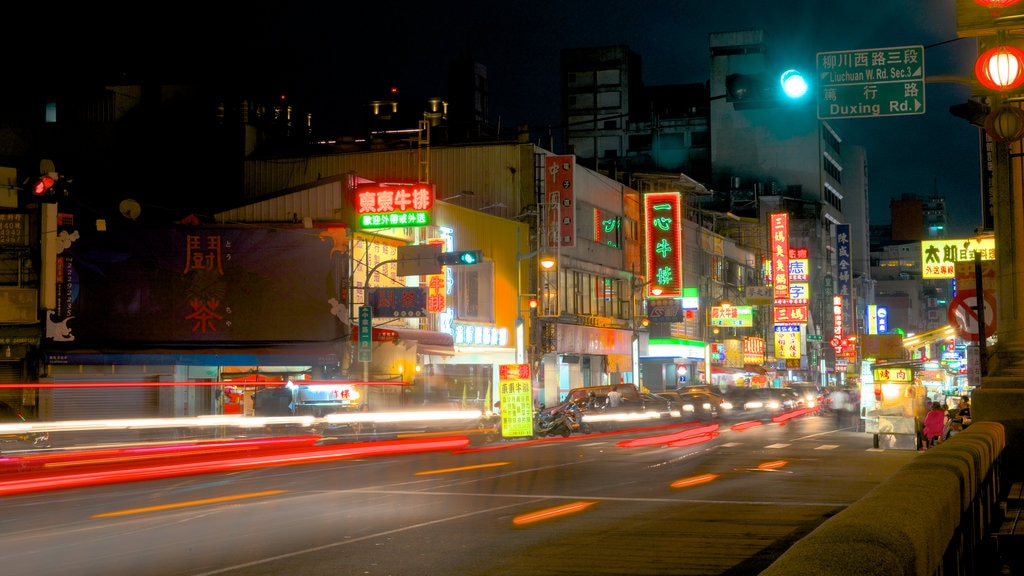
<point x="889" y="406"/>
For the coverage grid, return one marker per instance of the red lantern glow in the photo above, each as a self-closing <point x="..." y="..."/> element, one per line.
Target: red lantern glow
<point x="1001" y="68"/>
<point x="996" y="3"/>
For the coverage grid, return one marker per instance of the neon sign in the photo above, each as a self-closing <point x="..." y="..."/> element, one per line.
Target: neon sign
<point x="663" y="229"/>
<point x="394" y="205"/>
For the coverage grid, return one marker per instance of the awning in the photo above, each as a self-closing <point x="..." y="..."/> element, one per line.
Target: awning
<point x="428" y="341"/>
<point x="292" y="354"/>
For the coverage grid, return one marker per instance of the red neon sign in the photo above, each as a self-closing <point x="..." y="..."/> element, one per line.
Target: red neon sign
<point x="394" y="205"/>
<point x="664" y="233"/>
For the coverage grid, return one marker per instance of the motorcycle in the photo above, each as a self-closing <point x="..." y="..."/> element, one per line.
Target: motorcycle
<point x="561" y="423"/>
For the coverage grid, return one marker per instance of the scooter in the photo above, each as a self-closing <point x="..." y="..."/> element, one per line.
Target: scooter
<point x="561" y="423"/>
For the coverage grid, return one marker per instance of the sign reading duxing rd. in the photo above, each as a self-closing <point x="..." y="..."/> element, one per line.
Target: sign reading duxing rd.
<point x="870" y="82"/>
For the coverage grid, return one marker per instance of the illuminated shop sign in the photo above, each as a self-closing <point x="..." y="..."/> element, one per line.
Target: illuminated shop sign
<point x="478" y="335"/>
<point x="753" y="350"/>
<point x="843" y="259"/>
<point x="790" y="314"/>
<point x="664" y="235"/>
<point x="735" y="316"/>
<point x="798" y="265"/>
<point x="561" y="200"/>
<point x="779" y="239"/>
<point x="394" y="205"/>
<point x="787" y="341"/>
<point x="939" y="257"/>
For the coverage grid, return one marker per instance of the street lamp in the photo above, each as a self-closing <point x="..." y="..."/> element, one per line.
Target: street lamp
<point x="547" y="261"/>
<point x="638" y="285"/>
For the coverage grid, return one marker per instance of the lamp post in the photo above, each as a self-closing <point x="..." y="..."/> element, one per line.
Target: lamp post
<point x="547" y="262"/>
<point x="636" y="286"/>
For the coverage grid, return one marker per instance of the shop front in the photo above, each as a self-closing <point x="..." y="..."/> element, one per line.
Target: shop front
<point x="586" y="356"/>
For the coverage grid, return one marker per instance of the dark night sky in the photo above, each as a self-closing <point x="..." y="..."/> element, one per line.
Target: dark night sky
<point x="337" y="56"/>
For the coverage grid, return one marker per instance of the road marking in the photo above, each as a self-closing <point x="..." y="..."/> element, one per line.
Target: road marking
<point x="778" y="446"/>
<point x="827" y="447"/>
<point x="187" y="504"/>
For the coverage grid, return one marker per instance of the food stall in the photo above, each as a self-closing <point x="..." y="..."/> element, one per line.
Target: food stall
<point x="888" y="405"/>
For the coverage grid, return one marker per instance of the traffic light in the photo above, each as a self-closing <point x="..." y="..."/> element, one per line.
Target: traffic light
<point x="762" y="91"/>
<point x="43" y="185"/>
<point x="461" y="258"/>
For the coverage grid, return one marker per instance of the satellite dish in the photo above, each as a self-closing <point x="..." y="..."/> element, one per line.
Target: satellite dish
<point x="130" y="209"/>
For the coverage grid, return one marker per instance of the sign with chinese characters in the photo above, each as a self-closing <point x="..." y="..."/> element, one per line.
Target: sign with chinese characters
<point x="515" y="400"/>
<point x="393" y="205"/>
<point x="404" y="302"/>
<point x="560" y="212"/>
<point x="365" y="334"/>
<point x="837" y="320"/>
<point x="843" y="259"/>
<point x="479" y="335"/>
<point x="778" y="234"/>
<point x="871" y="82"/>
<point x="664" y="235"/>
<point x="895" y="374"/>
<point x="798" y="261"/>
<point x="753" y="350"/>
<point x="939" y="257"/>
<point x="787" y="341"/>
<point x="199" y="284"/>
<point x="734" y="316"/>
<point x="607" y="229"/>
<point x="790" y="314"/>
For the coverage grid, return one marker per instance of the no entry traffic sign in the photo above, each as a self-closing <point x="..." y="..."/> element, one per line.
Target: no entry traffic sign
<point x="963" y="314"/>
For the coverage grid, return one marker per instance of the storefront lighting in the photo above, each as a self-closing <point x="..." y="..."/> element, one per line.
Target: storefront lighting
<point x="996" y="3"/>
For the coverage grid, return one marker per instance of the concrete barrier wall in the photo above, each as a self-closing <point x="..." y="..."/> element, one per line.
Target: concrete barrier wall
<point x="929" y="518"/>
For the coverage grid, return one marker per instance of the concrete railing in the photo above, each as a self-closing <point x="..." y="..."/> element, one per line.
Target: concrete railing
<point x="932" y="517"/>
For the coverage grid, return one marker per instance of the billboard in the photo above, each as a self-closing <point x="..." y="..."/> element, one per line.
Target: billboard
<point x="201" y="285"/>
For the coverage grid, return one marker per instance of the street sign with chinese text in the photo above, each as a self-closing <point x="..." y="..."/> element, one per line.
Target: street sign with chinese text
<point x="365" y="334"/>
<point x="871" y="82"/>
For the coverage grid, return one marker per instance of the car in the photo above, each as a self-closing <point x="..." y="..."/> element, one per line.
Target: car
<point x="811" y="395"/>
<point x="700" y="405"/>
<point x="756" y="403"/>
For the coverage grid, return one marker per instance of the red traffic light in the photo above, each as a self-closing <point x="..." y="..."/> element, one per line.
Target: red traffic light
<point x="42" y="185"/>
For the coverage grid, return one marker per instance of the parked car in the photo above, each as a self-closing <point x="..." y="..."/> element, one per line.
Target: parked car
<point x="700" y="405"/>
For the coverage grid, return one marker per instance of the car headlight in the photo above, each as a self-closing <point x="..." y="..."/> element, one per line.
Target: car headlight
<point x="725" y="405"/>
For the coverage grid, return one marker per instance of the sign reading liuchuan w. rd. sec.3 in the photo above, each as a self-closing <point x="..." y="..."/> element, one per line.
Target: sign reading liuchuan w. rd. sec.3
<point x="871" y="82"/>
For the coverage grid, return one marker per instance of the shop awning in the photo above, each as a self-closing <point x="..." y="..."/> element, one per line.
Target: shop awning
<point x="428" y="341"/>
<point x="291" y="354"/>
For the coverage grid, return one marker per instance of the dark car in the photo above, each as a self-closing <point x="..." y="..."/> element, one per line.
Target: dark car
<point x="753" y="403"/>
<point x="811" y="395"/>
<point x="699" y="405"/>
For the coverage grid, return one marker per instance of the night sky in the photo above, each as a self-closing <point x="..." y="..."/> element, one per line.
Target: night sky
<point x="334" y="57"/>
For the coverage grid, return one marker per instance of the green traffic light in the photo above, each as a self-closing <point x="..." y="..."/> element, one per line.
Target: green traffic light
<point x="794" y="85"/>
<point x="468" y="258"/>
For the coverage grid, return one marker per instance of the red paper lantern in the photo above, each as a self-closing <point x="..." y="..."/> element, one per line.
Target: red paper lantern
<point x="1001" y="68"/>
<point x="1005" y="124"/>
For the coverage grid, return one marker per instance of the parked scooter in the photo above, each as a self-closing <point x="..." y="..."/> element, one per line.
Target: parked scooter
<point x="561" y="423"/>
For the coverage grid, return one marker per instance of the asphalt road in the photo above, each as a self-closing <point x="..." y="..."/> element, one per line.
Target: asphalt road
<point x="583" y="505"/>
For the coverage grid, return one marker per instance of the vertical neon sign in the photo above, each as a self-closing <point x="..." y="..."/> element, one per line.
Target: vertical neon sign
<point x="779" y="238"/>
<point x="664" y="234"/>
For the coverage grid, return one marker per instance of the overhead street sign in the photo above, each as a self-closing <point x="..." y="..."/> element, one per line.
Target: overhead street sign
<point x="871" y="82"/>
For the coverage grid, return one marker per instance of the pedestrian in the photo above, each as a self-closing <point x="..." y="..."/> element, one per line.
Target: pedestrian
<point x="614" y="397"/>
<point x="839" y="402"/>
<point x="934" y="425"/>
